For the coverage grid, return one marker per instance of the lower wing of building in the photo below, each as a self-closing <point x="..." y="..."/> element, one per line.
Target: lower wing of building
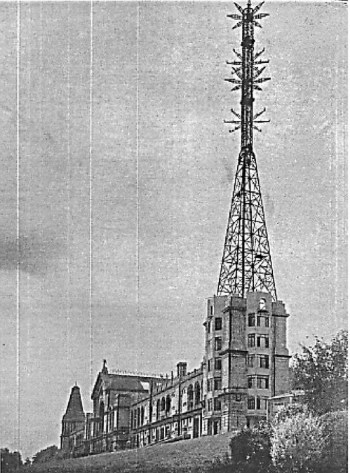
<point x="245" y="363"/>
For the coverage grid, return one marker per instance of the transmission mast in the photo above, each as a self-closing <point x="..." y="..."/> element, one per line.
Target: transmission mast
<point x="246" y="262"/>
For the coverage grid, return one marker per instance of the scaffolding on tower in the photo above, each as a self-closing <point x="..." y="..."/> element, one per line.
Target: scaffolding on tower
<point x="246" y="264"/>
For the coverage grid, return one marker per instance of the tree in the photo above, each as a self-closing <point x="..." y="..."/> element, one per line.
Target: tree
<point x="27" y="463"/>
<point x="250" y="450"/>
<point x="298" y="444"/>
<point x="322" y="372"/>
<point x="47" y="454"/>
<point x="10" y="461"/>
<point x="335" y="428"/>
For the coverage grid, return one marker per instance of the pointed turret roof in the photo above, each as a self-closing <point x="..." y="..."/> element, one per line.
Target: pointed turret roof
<point x="75" y="411"/>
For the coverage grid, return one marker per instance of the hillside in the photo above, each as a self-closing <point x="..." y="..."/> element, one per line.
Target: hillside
<point x="187" y="455"/>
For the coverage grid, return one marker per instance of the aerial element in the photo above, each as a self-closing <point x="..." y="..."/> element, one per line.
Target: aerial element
<point x="246" y="263"/>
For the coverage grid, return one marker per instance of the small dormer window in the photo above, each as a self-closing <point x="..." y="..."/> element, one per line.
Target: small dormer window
<point x="262" y="304"/>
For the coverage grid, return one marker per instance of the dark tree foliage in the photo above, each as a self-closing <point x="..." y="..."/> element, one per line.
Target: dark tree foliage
<point x="250" y="450"/>
<point x="46" y="455"/>
<point x="335" y="427"/>
<point x="10" y="461"/>
<point x="322" y="371"/>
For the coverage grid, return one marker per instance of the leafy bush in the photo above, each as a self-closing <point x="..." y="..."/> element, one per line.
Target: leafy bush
<point x="322" y="372"/>
<point x="335" y="428"/>
<point x="250" y="450"/>
<point x="298" y="444"/>
<point x="9" y="461"/>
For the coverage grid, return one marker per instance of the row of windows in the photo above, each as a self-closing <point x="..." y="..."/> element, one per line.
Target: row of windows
<point x="259" y="403"/>
<point x="214" y="402"/>
<point x="216" y="383"/>
<point x="263" y="361"/>
<point x="258" y="340"/>
<point x="217" y="364"/>
<point x="253" y="321"/>
<point x="260" y="382"/>
<point x="260" y="320"/>
<point x="217" y="324"/>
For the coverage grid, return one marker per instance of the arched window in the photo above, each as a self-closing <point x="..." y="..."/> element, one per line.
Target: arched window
<point x="190" y="397"/>
<point x="138" y="417"/>
<point x="197" y="393"/>
<point x="102" y="412"/>
<point x="262" y="304"/>
<point x="163" y="404"/>
<point x="158" y="408"/>
<point x="168" y="404"/>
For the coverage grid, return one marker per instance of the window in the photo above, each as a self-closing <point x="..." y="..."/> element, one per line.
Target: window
<point x="263" y="382"/>
<point x="251" y="320"/>
<point x="258" y="402"/>
<point x="263" y="320"/>
<point x="218" y="323"/>
<point x="210" y="404"/>
<point x="262" y="341"/>
<point x="209" y="384"/>
<point x="262" y="304"/>
<point x="251" y="340"/>
<point x="217" y="363"/>
<point x="261" y="403"/>
<point x="197" y="393"/>
<point x="263" y="361"/>
<point x="211" y="310"/>
<point x="238" y="397"/>
<point x="190" y="393"/>
<point x="251" y="403"/>
<point x="208" y="325"/>
<point x="209" y="365"/>
<point x="217" y="404"/>
<point x="217" y="384"/>
<point x="250" y="381"/>
<point x="218" y="343"/>
<point x="251" y="361"/>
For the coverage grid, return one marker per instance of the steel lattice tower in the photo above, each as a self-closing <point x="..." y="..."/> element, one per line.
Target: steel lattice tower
<point x="246" y="262"/>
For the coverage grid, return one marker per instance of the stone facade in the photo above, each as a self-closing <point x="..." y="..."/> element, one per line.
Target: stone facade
<point x="245" y="363"/>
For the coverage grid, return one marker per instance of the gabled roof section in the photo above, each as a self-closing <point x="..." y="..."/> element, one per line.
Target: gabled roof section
<point x="130" y="383"/>
<point x="122" y="383"/>
<point x="75" y="411"/>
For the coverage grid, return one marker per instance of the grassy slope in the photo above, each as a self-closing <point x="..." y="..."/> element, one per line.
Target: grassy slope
<point x="186" y="455"/>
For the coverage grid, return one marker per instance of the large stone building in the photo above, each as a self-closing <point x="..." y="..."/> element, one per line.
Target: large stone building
<point x="245" y="363"/>
<point x="245" y="355"/>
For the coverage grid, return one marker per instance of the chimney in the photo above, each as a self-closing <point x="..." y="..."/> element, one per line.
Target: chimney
<point x="181" y="369"/>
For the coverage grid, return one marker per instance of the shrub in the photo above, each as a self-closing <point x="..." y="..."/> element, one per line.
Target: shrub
<point x="298" y="443"/>
<point x="335" y="428"/>
<point x="250" y="450"/>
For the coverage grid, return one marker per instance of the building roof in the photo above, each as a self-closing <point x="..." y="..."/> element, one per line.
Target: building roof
<point x="122" y="383"/>
<point x="119" y="382"/>
<point x="296" y="393"/>
<point x="75" y="411"/>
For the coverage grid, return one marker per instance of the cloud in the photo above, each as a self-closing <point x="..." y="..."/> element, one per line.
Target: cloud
<point x="33" y="253"/>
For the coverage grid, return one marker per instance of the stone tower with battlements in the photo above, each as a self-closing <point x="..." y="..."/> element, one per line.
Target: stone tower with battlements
<point x="246" y="356"/>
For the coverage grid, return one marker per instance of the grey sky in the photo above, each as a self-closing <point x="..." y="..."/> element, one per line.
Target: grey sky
<point x="151" y="318"/>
